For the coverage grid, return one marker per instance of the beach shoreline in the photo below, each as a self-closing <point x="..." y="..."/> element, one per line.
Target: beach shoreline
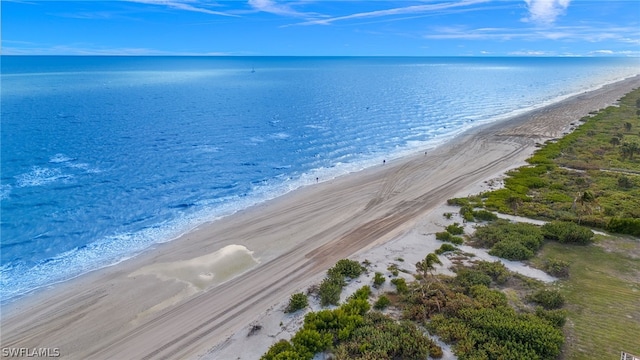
<point x="182" y="298"/>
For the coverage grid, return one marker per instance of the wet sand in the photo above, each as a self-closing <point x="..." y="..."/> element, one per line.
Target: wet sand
<point x="182" y="298"/>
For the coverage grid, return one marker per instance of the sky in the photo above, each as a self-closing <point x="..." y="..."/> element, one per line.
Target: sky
<point x="322" y="28"/>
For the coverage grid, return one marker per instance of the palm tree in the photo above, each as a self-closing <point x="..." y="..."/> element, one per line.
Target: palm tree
<point x="427" y="265"/>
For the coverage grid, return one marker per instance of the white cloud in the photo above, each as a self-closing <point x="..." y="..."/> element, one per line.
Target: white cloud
<point x="395" y="11"/>
<point x="545" y="12"/>
<point x="273" y="7"/>
<point x="603" y="52"/>
<point x="531" y="53"/>
<point x="28" y="48"/>
<point x="186" y="5"/>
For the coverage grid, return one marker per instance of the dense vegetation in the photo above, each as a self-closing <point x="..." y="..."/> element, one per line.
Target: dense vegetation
<point x="590" y="177"/>
<point x="467" y="311"/>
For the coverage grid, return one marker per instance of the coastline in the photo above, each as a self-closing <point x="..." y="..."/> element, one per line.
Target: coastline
<point x="177" y="310"/>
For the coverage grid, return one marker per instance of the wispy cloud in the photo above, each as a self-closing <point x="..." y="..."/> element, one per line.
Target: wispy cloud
<point x="187" y="5"/>
<point x="414" y="9"/>
<point x="602" y="33"/>
<point x="273" y="7"/>
<point x="27" y="48"/>
<point x="545" y="12"/>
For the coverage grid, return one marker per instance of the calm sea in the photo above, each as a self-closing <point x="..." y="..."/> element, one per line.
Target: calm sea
<point x="102" y="157"/>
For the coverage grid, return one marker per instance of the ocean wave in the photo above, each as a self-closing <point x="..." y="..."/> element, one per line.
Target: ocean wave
<point x="5" y="190"/>
<point x="60" y="158"/>
<point x="39" y="176"/>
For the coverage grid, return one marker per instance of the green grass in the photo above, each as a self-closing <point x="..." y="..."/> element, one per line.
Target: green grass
<point x="603" y="297"/>
<point x="585" y="161"/>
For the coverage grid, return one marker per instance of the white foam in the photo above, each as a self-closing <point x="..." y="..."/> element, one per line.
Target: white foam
<point x="39" y="176"/>
<point x="59" y="158"/>
<point x="5" y="190"/>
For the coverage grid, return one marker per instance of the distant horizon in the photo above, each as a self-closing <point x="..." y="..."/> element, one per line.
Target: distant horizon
<point x="334" y="56"/>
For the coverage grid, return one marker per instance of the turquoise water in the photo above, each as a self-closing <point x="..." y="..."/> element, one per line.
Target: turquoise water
<point x="102" y="157"/>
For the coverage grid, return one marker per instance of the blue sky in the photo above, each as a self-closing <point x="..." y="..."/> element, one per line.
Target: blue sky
<point x="322" y="28"/>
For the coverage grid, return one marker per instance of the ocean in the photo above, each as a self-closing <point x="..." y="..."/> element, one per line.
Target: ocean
<point x="103" y="157"/>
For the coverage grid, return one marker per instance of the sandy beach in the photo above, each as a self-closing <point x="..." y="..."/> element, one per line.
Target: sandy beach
<point x="185" y="298"/>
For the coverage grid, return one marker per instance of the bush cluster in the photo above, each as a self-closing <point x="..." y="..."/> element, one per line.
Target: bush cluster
<point x="346" y="268"/>
<point x="567" y="232"/>
<point x="355" y="333"/>
<point x="446" y="236"/>
<point x="381" y="338"/>
<point x="378" y="280"/>
<point x="382" y="303"/>
<point x="455" y="229"/>
<point x="629" y="226"/>
<point x="401" y="285"/>
<point x="445" y="248"/>
<point x="297" y="302"/>
<point x="513" y="241"/>
<point x="331" y="287"/>
<point x="555" y="267"/>
<point x="547" y="298"/>
<point x="496" y="270"/>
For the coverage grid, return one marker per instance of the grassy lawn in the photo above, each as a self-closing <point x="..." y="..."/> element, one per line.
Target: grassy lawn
<point x="603" y="297"/>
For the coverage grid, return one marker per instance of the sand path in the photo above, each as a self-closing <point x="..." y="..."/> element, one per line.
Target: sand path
<point x="122" y="312"/>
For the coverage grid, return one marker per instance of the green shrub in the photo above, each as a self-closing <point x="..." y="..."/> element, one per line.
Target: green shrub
<point x="347" y="268"/>
<point x="511" y="250"/>
<point x="381" y="303"/>
<point x="363" y="293"/>
<point x="556" y="318"/>
<point x="394" y="269"/>
<point x="457" y="240"/>
<point x="445" y="248"/>
<point x="567" y="232"/>
<point x="380" y="337"/>
<point x="281" y="347"/>
<point x="356" y="306"/>
<point x="308" y="342"/>
<point x="446" y="236"/>
<point x="501" y="230"/>
<point x="467" y="213"/>
<point x="378" y="280"/>
<point x="296" y="302"/>
<point x="455" y="229"/>
<point x="484" y="215"/>
<point x="467" y="278"/>
<point x="330" y="289"/>
<point x="628" y="226"/>
<point x="556" y="267"/>
<point x="547" y="298"/>
<point x="496" y="270"/>
<point x="513" y="241"/>
<point x="401" y="285"/>
<point x="458" y="202"/>
<point x="487" y="297"/>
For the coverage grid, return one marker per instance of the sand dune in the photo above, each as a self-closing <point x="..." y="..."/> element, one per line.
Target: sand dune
<point x="168" y="302"/>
